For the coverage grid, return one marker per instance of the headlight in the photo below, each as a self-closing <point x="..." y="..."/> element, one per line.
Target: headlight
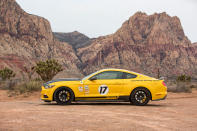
<point x="48" y="86"/>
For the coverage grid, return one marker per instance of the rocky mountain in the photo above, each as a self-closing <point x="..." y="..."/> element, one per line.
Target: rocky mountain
<point x="75" y="39"/>
<point x="26" y="39"/>
<point x="145" y="43"/>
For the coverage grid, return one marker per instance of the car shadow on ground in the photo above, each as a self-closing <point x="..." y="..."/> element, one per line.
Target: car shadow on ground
<point x="102" y="104"/>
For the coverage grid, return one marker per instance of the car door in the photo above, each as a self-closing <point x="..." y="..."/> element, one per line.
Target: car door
<point x="104" y="84"/>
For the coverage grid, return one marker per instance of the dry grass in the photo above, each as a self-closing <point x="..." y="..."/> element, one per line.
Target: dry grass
<point x="17" y="87"/>
<point x="181" y="86"/>
<point x="28" y="86"/>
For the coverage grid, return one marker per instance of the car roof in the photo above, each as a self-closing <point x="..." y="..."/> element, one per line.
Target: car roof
<point x="123" y="70"/>
<point x="115" y="69"/>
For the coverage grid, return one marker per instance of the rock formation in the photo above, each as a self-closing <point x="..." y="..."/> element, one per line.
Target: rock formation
<point x="146" y="44"/>
<point x="26" y="39"/>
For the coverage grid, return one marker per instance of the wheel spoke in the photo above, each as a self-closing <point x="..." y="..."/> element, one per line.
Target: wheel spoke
<point x="64" y="96"/>
<point x="140" y="96"/>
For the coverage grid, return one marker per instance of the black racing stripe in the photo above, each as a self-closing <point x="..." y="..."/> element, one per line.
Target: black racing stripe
<point x="63" y="79"/>
<point x="90" y="97"/>
<point x="120" y="97"/>
<point x="145" y="80"/>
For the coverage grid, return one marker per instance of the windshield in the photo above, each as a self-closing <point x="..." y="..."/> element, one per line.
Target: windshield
<point x="89" y="75"/>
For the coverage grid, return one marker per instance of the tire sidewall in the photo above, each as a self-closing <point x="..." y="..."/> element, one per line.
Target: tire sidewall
<point x="133" y="99"/>
<point x="56" y="98"/>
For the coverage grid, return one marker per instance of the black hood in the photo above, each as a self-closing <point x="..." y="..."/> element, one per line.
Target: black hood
<point x="62" y="79"/>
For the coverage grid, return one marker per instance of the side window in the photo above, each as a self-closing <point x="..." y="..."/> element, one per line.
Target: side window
<point x="109" y="75"/>
<point x="129" y="76"/>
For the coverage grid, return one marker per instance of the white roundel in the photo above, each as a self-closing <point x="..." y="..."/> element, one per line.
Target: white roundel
<point x="103" y="89"/>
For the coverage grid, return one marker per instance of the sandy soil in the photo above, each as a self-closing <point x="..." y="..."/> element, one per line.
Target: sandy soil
<point x="177" y="112"/>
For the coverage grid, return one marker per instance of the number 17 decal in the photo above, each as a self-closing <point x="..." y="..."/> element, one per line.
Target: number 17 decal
<point x="103" y="89"/>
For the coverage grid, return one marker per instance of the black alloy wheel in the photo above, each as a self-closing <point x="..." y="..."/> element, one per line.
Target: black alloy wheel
<point x="140" y="96"/>
<point x="64" y="96"/>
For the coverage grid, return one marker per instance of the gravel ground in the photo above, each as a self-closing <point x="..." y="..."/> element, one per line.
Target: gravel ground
<point x="178" y="112"/>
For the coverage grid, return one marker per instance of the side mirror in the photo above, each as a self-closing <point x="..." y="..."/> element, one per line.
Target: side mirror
<point x="93" y="78"/>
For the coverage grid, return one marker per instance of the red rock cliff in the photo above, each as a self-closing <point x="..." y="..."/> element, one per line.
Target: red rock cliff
<point x="144" y="43"/>
<point x="26" y="38"/>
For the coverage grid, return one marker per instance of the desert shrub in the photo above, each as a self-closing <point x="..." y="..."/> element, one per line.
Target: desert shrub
<point x="183" y="87"/>
<point x="47" y="69"/>
<point x="183" y="84"/>
<point x="28" y="86"/>
<point x="8" y="84"/>
<point x="192" y="86"/>
<point x="29" y="71"/>
<point x="183" y="78"/>
<point x="6" y="74"/>
<point x="37" y="79"/>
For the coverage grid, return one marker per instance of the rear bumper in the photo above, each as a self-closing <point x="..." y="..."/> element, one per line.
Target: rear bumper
<point x="161" y="98"/>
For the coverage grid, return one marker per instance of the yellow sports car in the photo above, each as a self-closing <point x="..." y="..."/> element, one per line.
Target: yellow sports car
<point x="104" y="85"/>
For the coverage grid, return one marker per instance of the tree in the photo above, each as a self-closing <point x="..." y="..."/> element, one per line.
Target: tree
<point x="6" y="73"/>
<point x="48" y="69"/>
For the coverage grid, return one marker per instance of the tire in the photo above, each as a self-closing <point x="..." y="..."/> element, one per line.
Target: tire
<point x="140" y="96"/>
<point x="64" y="96"/>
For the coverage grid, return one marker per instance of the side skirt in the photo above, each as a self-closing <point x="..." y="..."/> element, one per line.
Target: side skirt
<point x="103" y="99"/>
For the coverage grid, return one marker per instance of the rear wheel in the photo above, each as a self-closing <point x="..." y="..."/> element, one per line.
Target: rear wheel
<point x="140" y="96"/>
<point x="64" y="96"/>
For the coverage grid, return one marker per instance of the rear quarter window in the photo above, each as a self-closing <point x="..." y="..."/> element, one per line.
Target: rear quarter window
<point x="129" y="76"/>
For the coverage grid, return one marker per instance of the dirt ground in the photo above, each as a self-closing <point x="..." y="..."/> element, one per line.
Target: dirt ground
<point x="177" y="112"/>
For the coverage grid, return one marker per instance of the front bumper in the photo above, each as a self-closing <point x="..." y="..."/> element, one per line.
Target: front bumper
<point x="46" y="94"/>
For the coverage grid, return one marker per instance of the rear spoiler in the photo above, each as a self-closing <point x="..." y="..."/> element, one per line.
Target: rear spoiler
<point x="161" y="78"/>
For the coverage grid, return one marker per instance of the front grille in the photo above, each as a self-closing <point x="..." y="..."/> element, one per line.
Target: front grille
<point x="45" y="96"/>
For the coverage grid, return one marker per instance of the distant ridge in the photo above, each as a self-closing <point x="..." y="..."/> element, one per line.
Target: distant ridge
<point x="76" y="39"/>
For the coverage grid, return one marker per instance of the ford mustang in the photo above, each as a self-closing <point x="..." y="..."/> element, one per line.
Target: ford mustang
<point x="106" y="85"/>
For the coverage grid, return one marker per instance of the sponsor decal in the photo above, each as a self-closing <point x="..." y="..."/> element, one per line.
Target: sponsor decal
<point x="80" y="89"/>
<point x="103" y="89"/>
<point x="86" y="89"/>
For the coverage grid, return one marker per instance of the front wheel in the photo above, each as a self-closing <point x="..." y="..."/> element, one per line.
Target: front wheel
<point x="140" y="96"/>
<point x="64" y="96"/>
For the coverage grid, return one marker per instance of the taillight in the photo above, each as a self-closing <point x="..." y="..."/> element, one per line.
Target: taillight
<point x="163" y="83"/>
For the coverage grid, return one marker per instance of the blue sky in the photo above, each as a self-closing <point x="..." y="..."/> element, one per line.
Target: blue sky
<point x="102" y="17"/>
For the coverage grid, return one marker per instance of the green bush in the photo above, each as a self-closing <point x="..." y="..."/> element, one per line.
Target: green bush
<point x="6" y="74"/>
<point x="183" y="78"/>
<point x="47" y="69"/>
<point x="183" y="84"/>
